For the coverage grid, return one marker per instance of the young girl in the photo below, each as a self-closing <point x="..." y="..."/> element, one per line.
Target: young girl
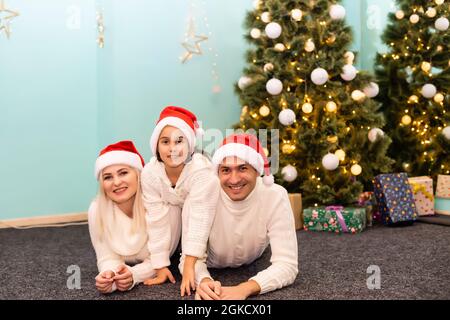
<point x="117" y="220"/>
<point x="180" y="192"/>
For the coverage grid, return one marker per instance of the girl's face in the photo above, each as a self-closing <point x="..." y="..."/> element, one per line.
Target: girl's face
<point x="173" y="147"/>
<point x="120" y="183"/>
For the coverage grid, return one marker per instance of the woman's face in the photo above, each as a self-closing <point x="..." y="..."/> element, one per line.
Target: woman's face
<point x="120" y="183"/>
<point x="173" y="147"/>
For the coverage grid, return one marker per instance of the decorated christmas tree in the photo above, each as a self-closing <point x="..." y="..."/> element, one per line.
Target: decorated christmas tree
<point x="300" y="79"/>
<point x="414" y="77"/>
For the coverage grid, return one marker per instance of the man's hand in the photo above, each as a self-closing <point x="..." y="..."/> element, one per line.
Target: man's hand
<point x="188" y="281"/>
<point x="241" y="291"/>
<point x="123" y="278"/>
<point x="208" y="289"/>
<point x="161" y="276"/>
<point x="104" y="281"/>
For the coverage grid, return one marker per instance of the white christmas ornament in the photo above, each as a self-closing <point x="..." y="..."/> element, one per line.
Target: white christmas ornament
<point x="265" y="17"/>
<point x="244" y="82"/>
<point x="372" y="90"/>
<point x="349" y="72"/>
<point x="400" y="14"/>
<point x="289" y="173"/>
<point x="414" y="18"/>
<point x="257" y="4"/>
<point x="280" y="47"/>
<point x="358" y="95"/>
<point x="429" y="91"/>
<point x="274" y="86"/>
<point x="310" y="46"/>
<point x="446" y="133"/>
<point x="374" y="133"/>
<point x="337" y="12"/>
<point x="356" y="169"/>
<point x="439" y="2"/>
<point x="307" y="108"/>
<point x="441" y="24"/>
<point x="297" y="14"/>
<point x="268" y="67"/>
<point x="431" y="12"/>
<point x="286" y="117"/>
<point x="273" y="30"/>
<point x="255" y="33"/>
<point x="319" y="76"/>
<point x="330" y="162"/>
<point x="349" y="57"/>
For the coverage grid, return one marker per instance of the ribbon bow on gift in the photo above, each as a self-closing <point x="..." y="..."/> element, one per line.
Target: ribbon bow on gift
<point x="340" y="217"/>
<point x="417" y="187"/>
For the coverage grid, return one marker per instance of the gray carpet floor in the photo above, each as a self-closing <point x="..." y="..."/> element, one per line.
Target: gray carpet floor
<point x="414" y="263"/>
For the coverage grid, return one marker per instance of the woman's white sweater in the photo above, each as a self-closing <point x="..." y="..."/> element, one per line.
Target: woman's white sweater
<point x="118" y="244"/>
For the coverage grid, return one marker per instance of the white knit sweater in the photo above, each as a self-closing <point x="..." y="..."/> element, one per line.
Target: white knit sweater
<point x="120" y="245"/>
<point x="192" y="203"/>
<point x="242" y="230"/>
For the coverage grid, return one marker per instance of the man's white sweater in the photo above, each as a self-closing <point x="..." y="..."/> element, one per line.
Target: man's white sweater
<point x="190" y="205"/>
<point x="242" y="230"/>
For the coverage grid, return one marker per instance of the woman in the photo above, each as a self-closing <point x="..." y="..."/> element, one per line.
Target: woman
<point x="117" y="220"/>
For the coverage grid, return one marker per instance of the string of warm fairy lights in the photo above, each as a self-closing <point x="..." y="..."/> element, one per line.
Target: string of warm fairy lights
<point x="428" y="94"/>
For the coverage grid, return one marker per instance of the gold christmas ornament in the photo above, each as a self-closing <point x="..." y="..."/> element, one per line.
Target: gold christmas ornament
<point x="414" y="18"/>
<point x="340" y="154"/>
<point x="406" y="166"/>
<point x="331" y="39"/>
<point x="413" y="99"/>
<point x="358" y="95"/>
<point x="406" y="120"/>
<point x="439" y="2"/>
<point x="307" y="108"/>
<point x="431" y="12"/>
<point x="439" y="97"/>
<point x="356" y="169"/>
<point x="264" y="111"/>
<point x="331" y="106"/>
<point x="280" y="47"/>
<point x="287" y="148"/>
<point x="192" y="43"/>
<point x="5" y="20"/>
<point x="332" y="139"/>
<point x="399" y="14"/>
<point x="309" y="45"/>
<point x="426" y="66"/>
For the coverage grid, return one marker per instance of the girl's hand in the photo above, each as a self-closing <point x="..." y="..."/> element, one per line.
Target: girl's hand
<point x="161" y="276"/>
<point x="123" y="278"/>
<point x="104" y="281"/>
<point x="188" y="281"/>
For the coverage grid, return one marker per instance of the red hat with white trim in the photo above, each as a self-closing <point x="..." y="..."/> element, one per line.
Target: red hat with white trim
<point x="179" y="118"/>
<point x="122" y="152"/>
<point x="248" y="148"/>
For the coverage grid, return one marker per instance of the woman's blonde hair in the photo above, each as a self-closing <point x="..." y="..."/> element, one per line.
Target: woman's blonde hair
<point x="105" y="207"/>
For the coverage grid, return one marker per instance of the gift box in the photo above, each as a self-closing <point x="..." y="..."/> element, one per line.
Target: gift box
<point x="334" y="219"/>
<point x="395" y="198"/>
<point x="443" y="186"/>
<point x="296" y="205"/>
<point x="442" y="206"/>
<point x="422" y="188"/>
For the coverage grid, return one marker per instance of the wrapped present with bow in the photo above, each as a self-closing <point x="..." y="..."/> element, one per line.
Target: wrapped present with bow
<point x="422" y="188"/>
<point x="335" y="219"/>
<point x="395" y="198"/>
<point x="442" y="201"/>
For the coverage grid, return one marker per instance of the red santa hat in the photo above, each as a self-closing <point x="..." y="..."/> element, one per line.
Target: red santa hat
<point x="180" y="118"/>
<point x="248" y="148"/>
<point x="122" y="152"/>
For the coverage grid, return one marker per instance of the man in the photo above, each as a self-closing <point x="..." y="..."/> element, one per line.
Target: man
<point x="251" y="213"/>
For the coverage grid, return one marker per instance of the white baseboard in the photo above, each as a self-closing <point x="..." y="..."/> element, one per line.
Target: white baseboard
<point x="44" y="220"/>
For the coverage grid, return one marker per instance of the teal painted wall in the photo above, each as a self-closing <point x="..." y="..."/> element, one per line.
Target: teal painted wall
<point x="62" y="98"/>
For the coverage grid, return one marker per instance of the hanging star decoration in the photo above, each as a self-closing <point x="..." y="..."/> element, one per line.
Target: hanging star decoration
<point x="192" y="43"/>
<point x="5" y="20"/>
